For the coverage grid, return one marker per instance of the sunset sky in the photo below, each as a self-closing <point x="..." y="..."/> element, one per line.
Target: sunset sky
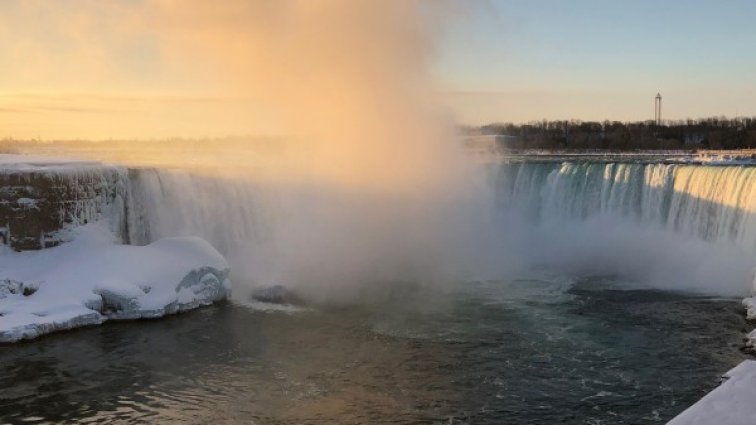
<point x="101" y="69"/>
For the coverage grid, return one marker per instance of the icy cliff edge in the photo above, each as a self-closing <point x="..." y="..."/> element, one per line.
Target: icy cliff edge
<point x="93" y="279"/>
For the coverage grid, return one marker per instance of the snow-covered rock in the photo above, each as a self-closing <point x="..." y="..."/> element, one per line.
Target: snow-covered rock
<point x="275" y="294"/>
<point x="93" y="279"/>
<point x="732" y="403"/>
<point x="750" y="306"/>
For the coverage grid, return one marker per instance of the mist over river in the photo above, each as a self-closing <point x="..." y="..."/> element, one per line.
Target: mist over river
<point x="386" y="211"/>
<point x="576" y="292"/>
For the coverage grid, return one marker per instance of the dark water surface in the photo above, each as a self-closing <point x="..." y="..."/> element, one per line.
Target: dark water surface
<point x="520" y="352"/>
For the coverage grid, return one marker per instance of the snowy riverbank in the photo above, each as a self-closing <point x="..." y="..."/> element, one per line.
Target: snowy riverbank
<point x="729" y="404"/>
<point x="94" y="279"/>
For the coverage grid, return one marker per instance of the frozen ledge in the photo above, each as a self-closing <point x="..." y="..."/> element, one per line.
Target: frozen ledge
<point x="750" y="306"/>
<point x="92" y="280"/>
<point x="732" y="403"/>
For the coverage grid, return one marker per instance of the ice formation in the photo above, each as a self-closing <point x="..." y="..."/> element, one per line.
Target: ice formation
<point x="79" y="211"/>
<point x="43" y="199"/>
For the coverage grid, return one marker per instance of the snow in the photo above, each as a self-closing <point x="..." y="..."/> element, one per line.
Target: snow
<point x="750" y="305"/>
<point x="732" y="403"/>
<point x="734" y="157"/>
<point x="93" y="279"/>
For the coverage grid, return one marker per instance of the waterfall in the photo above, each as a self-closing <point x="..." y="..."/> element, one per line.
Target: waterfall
<point x="714" y="203"/>
<point x="224" y="211"/>
<point x="672" y="226"/>
<point x="302" y="233"/>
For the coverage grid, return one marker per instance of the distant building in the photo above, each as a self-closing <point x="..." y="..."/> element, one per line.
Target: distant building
<point x="658" y="109"/>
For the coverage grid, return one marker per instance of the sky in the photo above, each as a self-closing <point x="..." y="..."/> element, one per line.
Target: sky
<point x="152" y="68"/>
<point x="521" y="60"/>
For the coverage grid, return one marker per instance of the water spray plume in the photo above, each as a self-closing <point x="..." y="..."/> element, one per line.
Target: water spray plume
<point x="371" y="185"/>
<point x="349" y="82"/>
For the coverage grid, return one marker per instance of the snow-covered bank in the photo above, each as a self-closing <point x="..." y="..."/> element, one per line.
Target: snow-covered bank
<point x="729" y="404"/>
<point x="93" y="279"/>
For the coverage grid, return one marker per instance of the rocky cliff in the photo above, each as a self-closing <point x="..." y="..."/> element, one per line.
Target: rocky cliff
<point x="42" y="200"/>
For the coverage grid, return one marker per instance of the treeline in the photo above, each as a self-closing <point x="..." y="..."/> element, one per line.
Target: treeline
<point x="709" y="133"/>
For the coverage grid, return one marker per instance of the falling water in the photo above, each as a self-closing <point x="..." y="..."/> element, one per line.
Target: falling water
<point x="673" y="226"/>
<point x="714" y="203"/>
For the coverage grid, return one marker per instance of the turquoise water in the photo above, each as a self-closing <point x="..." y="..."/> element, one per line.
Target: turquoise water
<point x="523" y="351"/>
